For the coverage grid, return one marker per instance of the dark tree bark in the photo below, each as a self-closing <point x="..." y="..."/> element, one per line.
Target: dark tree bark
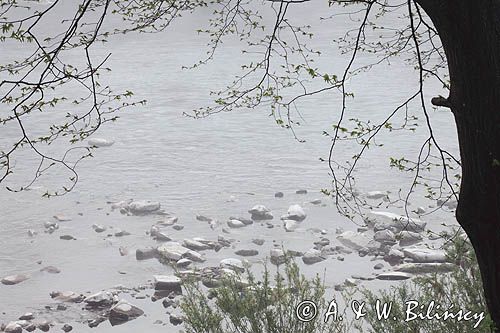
<point x="470" y="33"/>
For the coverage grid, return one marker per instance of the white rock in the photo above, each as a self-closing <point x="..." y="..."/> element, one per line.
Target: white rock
<point x="99" y="142"/>
<point x="183" y="263"/>
<point x="14" y="279"/>
<point x="121" y="204"/>
<point x="172" y="251"/>
<point x="141" y="207"/>
<point x="423" y="268"/>
<point x="277" y="256"/>
<point x="394" y="276"/>
<point x="13" y="327"/>
<point x="295" y="212"/>
<point x="66" y="296"/>
<point x="424" y="255"/>
<point x="375" y="195"/>
<point x="100" y="299"/>
<point x="420" y="210"/>
<point x="407" y="238"/>
<point x="195" y="245"/>
<point x="387" y="220"/>
<point x="290" y="225"/>
<point x="260" y="212"/>
<point x="194" y="256"/>
<point x="232" y="263"/>
<point x="385" y="236"/>
<point x="357" y="241"/>
<point x="312" y="256"/>
<point x="168" y="283"/>
<point x="235" y="224"/>
<point x="61" y="218"/>
<point x="123" y="312"/>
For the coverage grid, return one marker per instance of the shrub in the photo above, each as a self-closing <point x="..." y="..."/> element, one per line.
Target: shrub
<point x="243" y="304"/>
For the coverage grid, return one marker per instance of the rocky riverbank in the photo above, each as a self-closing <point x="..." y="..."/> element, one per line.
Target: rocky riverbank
<point x="399" y="247"/>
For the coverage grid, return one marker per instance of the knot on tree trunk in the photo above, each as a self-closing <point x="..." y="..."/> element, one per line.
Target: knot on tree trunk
<point x="441" y="101"/>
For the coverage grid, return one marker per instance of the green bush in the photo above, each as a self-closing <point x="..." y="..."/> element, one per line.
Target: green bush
<point x="249" y="306"/>
<point x="461" y="288"/>
<point x="243" y="304"/>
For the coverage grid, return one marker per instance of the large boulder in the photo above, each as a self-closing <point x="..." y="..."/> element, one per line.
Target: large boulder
<point x="143" y="207"/>
<point x="260" y="212"/>
<point x="424" y="255"/>
<point x="232" y="263"/>
<point x="424" y="268"/>
<point x="14" y="279"/>
<point x="290" y="225"/>
<point x="168" y="283"/>
<point x="195" y="245"/>
<point x="385" y="237"/>
<point x="295" y="212"/>
<point x="277" y="256"/>
<point x="407" y="238"/>
<point x="357" y="241"/>
<point x="100" y="299"/>
<point x="172" y="251"/>
<point x="312" y="256"/>
<point x="123" y="312"/>
<point x="395" y="222"/>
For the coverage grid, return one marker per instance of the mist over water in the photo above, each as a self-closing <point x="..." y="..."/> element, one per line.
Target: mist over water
<point x="194" y="166"/>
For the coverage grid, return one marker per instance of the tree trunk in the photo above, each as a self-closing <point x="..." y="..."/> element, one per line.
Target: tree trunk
<point x="470" y="33"/>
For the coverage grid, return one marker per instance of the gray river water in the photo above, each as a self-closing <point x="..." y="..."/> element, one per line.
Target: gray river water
<point x="195" y="166"/>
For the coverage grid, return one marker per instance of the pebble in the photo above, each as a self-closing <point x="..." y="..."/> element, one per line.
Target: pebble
<point x="121" y="233"/>
<point x="258" y="241"/>
<point x="61" y="218"/>
<point x="98" y="228"/>
<point x="14" y="279"/>
<point x="175" y="319"/>
<point x="66" y="296"/>
<point x="67" y="328"/>
<point x="235" y="224"/>
<point x="394" y="276"/>
<point x="203" y="218"/>
<point x="247" y="252"/>
<point x="67" y="237"/>
<point x="27" y="316"/>
<point x="184" y="262"/>
<point x="51" y="270"/>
